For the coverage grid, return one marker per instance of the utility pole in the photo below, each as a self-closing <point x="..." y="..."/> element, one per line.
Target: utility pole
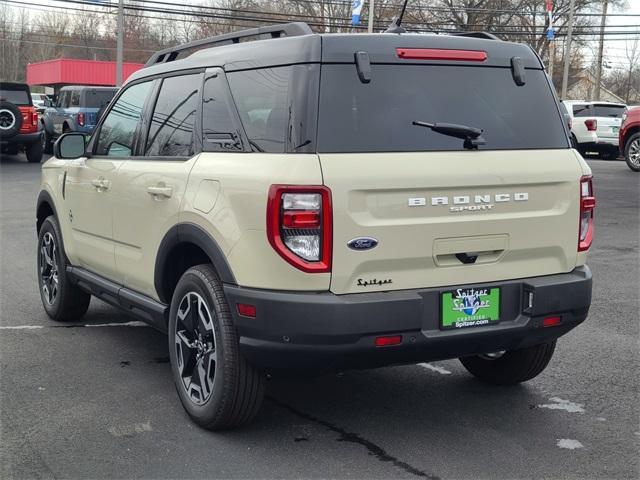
<point x="119" y="43"/>
<point x="567" y="52"/>
<point x="371" y="7"/>
<point x="550" y="36"/>
<point x="603" y="22"/>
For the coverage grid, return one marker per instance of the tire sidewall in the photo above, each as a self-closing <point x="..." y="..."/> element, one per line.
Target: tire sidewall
<point x="51" y="226"/>
<point x="635" y="136"/>
<point x="194" y="281"/>
<point x="17" y="124"/>
<point x="34" y="151"/>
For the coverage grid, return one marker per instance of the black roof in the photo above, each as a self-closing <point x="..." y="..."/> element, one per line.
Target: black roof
<point x="339" y="48"/>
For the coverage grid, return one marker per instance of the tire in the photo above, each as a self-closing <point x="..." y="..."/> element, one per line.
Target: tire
<point x="632" y="152"/>
<point x="67" y="303"/>
<point x="34" y="152"/>
<point x="608" y="154"/>
<point x="513" y="367"/>
<point x="10" y="120"/>
<point x="574" y="142"/>
<point x="47" y="141"/>
<point x="233" y="389"/>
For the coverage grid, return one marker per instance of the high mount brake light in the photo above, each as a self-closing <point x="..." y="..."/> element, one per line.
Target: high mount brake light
<point x="299" y="226"/>
<point x="441" y="54"/>
<point x="587" y="207"/>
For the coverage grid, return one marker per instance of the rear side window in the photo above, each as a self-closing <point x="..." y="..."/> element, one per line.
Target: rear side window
<point x="174" y="116"/>
<point x="98" y="98"/>
<point x="218" y="128"/>
<point x="17" y="96"/>
<point x="608" y="111"/>
<point x="582" y="111"/>
<point x="378" y="116"/>
<point x="261" y="99"/>
<point x="75" y="98"/>
<point x="116" y="136"/>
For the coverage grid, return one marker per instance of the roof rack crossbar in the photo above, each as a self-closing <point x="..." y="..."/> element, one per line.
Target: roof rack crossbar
<point x="485" y="35"/>
<point x="293" y="29"/>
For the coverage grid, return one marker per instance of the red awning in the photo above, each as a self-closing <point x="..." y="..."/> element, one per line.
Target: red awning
<point x="64" y="71"/>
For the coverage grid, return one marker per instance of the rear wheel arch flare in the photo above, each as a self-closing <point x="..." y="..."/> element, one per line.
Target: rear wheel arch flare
<point x="45" y="208"/>
<point x="184" y="246"/>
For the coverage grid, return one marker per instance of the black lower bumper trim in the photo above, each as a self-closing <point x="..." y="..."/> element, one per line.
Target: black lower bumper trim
<point x="324" y="331"/>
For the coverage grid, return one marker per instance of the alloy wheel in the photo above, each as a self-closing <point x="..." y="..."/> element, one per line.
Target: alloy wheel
<point x="634" y="153"/>
<point x="49" y="268"/>
<point x="195" y="345"/>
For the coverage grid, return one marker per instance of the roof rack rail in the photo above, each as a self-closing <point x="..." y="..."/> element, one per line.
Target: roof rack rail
<point x="485" y="35"/>
<point x="293" y="29"/>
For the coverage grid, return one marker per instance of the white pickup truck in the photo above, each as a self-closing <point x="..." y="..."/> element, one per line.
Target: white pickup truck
<point x="595" y="126"/>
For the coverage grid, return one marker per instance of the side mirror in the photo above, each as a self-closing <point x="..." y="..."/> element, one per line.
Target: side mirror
<point x="69" y="146"/>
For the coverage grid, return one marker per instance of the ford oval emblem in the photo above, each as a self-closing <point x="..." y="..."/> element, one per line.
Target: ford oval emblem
<point x="362" y="243"/>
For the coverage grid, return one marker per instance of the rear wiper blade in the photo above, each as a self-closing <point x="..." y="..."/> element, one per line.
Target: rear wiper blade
<point x="472" y="136"/>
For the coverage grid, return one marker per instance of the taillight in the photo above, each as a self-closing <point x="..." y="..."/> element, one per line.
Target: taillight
<point x="591" y="124"/>
<point x="570" y="124"/>
<point x="587" y="207"/>
<point x="441" y="54"/>
<point x="34" y="117"/>
<point x="299" y="226"/>
<point x="81" y="119"/>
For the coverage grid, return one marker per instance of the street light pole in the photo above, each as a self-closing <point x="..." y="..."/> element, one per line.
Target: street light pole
<point x="371" y="7"/>
<point x="567" y="52"/>
<point x="603" y="23"/>
<point x="119" y="43"/>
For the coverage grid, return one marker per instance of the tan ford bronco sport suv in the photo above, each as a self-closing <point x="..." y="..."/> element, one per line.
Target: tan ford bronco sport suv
<point x="310" y="203"/>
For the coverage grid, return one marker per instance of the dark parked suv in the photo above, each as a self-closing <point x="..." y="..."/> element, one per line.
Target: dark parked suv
<point x="19" y="122"/>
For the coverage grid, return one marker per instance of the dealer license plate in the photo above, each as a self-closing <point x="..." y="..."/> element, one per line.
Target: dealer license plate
<point x="469" y="307"/>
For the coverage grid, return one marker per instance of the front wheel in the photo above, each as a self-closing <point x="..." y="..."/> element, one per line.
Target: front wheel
<point x="61" y="299"/>
<point x="510" y="367"/>
<point x="632" y="152"/>
<point x="217" y="387"/>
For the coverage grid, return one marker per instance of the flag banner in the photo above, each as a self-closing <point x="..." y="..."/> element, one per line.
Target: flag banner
<point x="355" y="14"/>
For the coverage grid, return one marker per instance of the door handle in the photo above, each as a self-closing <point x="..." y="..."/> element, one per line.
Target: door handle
<point x="101" y="184"/>
<point x="160" y="191"/>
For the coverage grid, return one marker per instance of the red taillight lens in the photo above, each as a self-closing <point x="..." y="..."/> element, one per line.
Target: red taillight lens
<point x="299" y="226"/>
<point x="246" y="310"/>
<point x="81" y="119"/>
<point x="34" y="117"/>
<point x="551" y="321"/>
<point x="591" y="124"/>
<point x="441" y="54"/>
<point x="388" y="341"/>
<point x="587" y="207"/>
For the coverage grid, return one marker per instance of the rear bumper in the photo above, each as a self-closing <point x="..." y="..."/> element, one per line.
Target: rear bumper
<point x="602" y="142"/>
<point x="325" y="332"/>
<point x="23" y="138"/>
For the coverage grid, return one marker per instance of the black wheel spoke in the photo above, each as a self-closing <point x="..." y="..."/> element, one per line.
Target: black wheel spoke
<point x="49" y="268"/>
<point x="195" y="347"/>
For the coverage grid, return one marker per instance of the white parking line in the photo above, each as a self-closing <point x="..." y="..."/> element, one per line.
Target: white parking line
<point x="560" y="404"/>
<point x="435" y="368"/>
<point x="36" y="327"/>
<point x="569" y="444"/>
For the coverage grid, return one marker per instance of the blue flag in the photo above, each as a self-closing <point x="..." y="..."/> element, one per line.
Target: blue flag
<point x="355" y="15"/>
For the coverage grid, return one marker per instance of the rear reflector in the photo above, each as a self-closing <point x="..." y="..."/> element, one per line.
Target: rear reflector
<point x="441" y="54"/>
<point x="388" y="341"/>
<point x="551" y="321"/>
<point x="246" y="310"/>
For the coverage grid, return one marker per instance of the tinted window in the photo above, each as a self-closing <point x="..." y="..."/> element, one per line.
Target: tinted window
<point x="117" y="132"/>
<point x="261" y="99"/>
<point x="378" y="116"/>
<point x="15" y="96"/>
<point x="75" y="98"/>
<point x="220" y="133"/>
<point x="63" y="101"/>
<point x="171" y="130"/>
<point x="98" y="98"/>
<point x="608" y="111"/>
<point x="582" y="111"/>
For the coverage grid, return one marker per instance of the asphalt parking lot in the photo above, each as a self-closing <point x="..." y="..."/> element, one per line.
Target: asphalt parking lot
<point x="97" y="400"/>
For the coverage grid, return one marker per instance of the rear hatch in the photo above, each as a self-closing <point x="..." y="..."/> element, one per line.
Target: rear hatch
<point x="443" y="214"/>
<point x="609" y="119"/>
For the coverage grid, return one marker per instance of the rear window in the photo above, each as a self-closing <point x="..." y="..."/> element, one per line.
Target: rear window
<point x="16" y="95"/>
<point x="98" y="98"/>
<point x="378" y="116"/>
<point x="608" y="111"/>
